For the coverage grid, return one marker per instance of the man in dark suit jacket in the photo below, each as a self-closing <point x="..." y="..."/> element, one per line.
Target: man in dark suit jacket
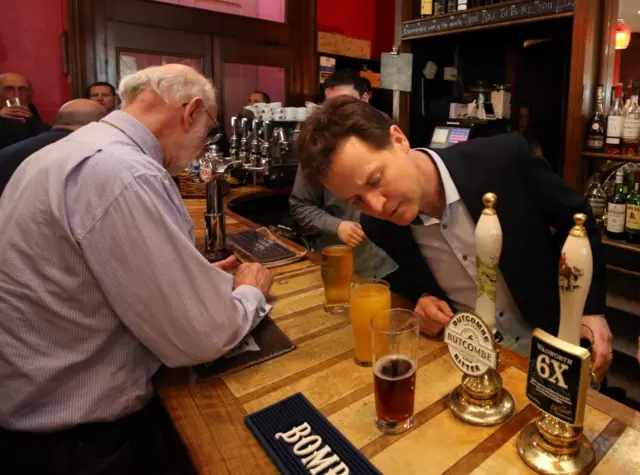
<point x="70" y="116"/>
<point x="422" y="209"/>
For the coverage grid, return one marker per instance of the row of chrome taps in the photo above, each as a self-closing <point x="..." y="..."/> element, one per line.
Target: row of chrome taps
<point x="254" y="146"/>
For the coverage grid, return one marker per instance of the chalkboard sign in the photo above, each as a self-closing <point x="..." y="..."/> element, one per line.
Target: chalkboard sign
<point x="487" y="16"/>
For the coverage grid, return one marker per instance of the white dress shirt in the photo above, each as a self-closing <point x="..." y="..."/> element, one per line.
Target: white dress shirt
<point x="100" y="281"/>
<point x="448" y="246"/>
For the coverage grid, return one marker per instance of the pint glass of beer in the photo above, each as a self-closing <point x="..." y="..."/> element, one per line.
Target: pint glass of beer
<point x="368" y="298"/>
<point x="337" y="273"/>
<point x="394" y="340"/>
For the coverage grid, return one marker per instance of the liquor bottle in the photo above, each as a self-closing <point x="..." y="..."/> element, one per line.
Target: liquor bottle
<point x="595" y="133"/>
<point x="613" y="142"/>
<point x="462" y="4"/>
<point x="632" y="225"/>
<point x="597" y="198"/>
<point x="426" y="8"/>
<point x="631" y="127"/>
<point x="440" y="7"/>
<point x="452" y="6"/>
<point x="616" y="209"/>
<point x="630" y="180"/>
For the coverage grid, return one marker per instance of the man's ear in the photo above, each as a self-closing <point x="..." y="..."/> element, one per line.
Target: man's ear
<point x="191" y="110"/>
<point x="398" y="139"/>
<point x="366" y="97"/>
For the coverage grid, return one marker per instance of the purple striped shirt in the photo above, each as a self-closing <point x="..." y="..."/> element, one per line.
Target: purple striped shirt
<point x="100" y="281"/>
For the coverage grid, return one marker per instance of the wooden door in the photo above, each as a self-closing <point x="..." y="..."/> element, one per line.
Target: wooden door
<point x="109" y="36"/>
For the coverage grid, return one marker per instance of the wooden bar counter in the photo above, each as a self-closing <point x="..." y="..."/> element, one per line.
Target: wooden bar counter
<point x="209" y="416"/>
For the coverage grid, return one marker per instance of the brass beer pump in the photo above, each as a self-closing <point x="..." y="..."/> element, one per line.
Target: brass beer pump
<point x="480" y="399"/>
<point x="560" y="372"/>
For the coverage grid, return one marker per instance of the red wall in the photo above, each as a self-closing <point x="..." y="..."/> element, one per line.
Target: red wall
<point x="372" y="20"/>
<point x="30" y="45"/>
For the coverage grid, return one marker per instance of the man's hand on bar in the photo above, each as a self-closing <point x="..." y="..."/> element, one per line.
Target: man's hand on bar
<point x="255" y="275"/>
<point x="602" y="345"/>
<point x="228" y="264"/>
<point x="351" y="233"/>
<point x="434" y="314"/>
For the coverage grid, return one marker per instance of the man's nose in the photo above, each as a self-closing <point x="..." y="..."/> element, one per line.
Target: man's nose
<point x="375" y="201"/>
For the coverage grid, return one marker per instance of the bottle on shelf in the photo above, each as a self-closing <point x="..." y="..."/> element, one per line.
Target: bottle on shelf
<point x="632" y="224"/>
<point x="616" y="209"/>
<point x="615" y="120"/>
<point x="440" y="7"/>
<point x="630" y="179"/>
<point x="595" y="132"/>
<point x="426" y="8"/>
<point x="462" y="4"/>
<point x="597" y="198"/>
<point x="452" y="6"/>
<point x="631" y="127"/>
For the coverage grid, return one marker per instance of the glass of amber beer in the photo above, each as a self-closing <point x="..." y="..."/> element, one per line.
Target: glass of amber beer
<point x="394" y="339"/>
<point x="337" y="274"/>
<point x="368" y="297"/>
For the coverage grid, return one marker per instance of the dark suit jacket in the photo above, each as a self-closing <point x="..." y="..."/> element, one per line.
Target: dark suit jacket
<point x="12" y="156"/>
<point x="14" y="131"/>
<point x="531" y="200"/>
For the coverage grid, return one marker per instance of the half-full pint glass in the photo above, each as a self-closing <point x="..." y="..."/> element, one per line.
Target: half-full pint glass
<point x="394" y="340"/>
<point x="368" y="298"/>
<point x="337" y="273"/>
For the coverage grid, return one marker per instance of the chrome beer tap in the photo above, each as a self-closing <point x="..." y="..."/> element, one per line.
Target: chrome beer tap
<point x="265" y="157"/>
<point x="233" y="142"/>
<point x="214" y="170"/>
<point x="255" y="144"/>
<point x="281" y="145"/>
<point x="243" y="141"/>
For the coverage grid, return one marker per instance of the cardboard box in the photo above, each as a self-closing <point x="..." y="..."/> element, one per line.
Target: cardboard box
<point x="331" y="43"/>
<point x="357" y="48"/>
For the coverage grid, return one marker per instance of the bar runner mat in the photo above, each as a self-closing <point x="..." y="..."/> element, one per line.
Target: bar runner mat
<point x="300" y="440"/>
<point x="265" y="342"/>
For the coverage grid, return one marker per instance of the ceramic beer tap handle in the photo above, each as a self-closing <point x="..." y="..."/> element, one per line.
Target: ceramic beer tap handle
<point x="574" y="280"/>
<point x="488" y="248"/>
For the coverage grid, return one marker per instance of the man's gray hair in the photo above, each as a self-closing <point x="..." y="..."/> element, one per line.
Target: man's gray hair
<point x="172" y="82"/>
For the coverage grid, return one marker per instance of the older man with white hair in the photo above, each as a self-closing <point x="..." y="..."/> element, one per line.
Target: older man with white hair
<point x="100" y="283"/>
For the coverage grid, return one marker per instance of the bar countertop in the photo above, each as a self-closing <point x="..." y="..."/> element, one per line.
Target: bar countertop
<point x="209" y="416"/>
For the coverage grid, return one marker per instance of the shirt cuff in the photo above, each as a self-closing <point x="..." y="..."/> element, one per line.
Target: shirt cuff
<point x="252" y="299"/>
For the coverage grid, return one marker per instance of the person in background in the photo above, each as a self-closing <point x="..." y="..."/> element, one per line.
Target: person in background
<point x="527" y="129"/>
<point x="104" y="94"/>
<point x="315" y="207"/>
<point x="347" y="83"/>
<point x="421" y="207"/>
<point x="71" y="116"/>
<point x="101" y="284"/>
<point x="257" y="97"/>
<point x="17" y="122"/>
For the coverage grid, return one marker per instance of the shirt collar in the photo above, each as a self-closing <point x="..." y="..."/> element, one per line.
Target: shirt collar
<point x="138" y="132"/>
<point x="451" y="194"/>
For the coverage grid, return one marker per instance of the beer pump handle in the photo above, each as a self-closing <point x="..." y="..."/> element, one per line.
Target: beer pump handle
<point x="488" y="237"/>
<point x="574" y="280"/>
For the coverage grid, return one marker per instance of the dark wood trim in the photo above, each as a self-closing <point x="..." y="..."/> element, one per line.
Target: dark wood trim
<point x="615" y="158"/>
<point x="402" y="100"/>
<point x="195" y="20"/>
<point x="585" y="54"/>
<point x="304" y="80"/>
<point x="607" y="49"/>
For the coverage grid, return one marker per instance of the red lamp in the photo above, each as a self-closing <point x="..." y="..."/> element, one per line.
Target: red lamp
<point x="623" y="35"/>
